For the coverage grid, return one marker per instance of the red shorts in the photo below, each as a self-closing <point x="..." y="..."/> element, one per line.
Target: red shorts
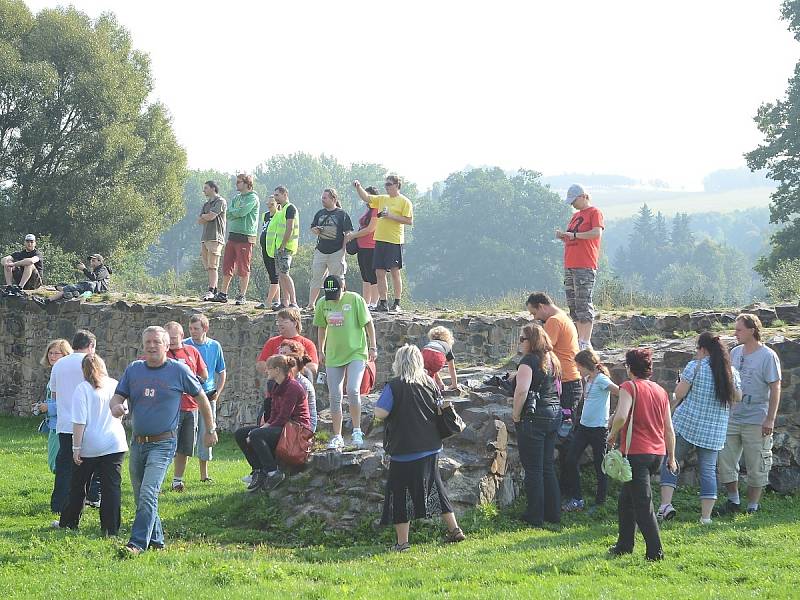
<point x="433" y="361"/>
<point x="237" y="257"/>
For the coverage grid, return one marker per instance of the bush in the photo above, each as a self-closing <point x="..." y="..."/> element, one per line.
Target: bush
<point x="783" y="282"/>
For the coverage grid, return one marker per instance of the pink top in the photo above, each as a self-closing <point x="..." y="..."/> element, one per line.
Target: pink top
<point x="367" y="241"/>
<point x="652" y="405"/>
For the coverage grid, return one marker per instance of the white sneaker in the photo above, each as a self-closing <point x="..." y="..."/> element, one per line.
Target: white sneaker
<point x="705" y="521"/>
<point x="584" y="345"/>
<point x="357" y="439"/>
<point x="336" y="443"/>
<point x="248" y="478"/>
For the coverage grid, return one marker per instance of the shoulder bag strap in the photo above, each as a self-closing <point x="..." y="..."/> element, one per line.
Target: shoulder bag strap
<point x="630" y="422"/>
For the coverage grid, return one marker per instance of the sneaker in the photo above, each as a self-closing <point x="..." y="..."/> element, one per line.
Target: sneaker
<point x="56" y="525"/>
<point x="129" y="550"/>
<point x="155" y="546"/>
<point x="240" y="300"/>
<point x="248" y="478"/>
<point x="454" y="536"/>
<point x="584" y="345"/>
<point x="256" y="482"/>
<point x="705" y="521"/>
<point x="220" y="297"/>
<point x="92" y="503"/>
<point x="294" y="305"/>
<point x="208" y="296"/>
<point x="273" y="480"/>
<point x="371" y="307"/>
<point x="395" y="308"/>
<point x="357" y="438"/>
<point x="261" y="306"/>
<point x="381" y="307"/>
<point x="207" y="480"/>
<point x="336" y="443"/>
<point x="666" y="513"/>
<point x="276" y="306"/>
<point x="574" y="505"/>
<point x="178" y="486"/>
<point x="400" y="547"/>
<point x="751" y="511"/>
<point x="729" y="508"/>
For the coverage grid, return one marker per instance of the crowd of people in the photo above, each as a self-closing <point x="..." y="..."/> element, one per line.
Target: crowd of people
<point x="724" y="406"/>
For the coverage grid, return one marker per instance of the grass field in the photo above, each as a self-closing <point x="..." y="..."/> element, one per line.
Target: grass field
<point x="223" y="543"/>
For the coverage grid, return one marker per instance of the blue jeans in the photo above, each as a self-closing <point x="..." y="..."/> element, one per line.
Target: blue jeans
<point x="147" y="466"/>
<point x="536" y="442"/>
<point x="706" y="463"/>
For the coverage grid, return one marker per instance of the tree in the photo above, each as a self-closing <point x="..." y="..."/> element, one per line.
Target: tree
<point x="83" y="157"/>
<point x="487" y="235"/>
<point x="779" y="121"/>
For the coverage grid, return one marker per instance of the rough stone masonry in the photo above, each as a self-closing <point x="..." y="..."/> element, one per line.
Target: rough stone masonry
<point x="480" y="465"/>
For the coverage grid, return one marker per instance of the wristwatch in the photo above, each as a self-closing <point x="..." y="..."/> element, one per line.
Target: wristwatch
<point x="574" y="235"/>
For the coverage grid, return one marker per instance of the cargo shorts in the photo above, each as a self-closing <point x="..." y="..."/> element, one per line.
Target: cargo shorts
<point x="579" y="286"/>
<point x="746" y="440"/>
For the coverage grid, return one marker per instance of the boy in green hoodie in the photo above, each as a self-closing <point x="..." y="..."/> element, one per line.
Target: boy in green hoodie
<point x="242" y="231"/>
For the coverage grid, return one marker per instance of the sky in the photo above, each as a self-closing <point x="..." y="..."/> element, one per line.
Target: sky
<point x="650" y="90"/>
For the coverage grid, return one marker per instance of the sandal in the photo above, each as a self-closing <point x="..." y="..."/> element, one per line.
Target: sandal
<point x="454" y="536"/>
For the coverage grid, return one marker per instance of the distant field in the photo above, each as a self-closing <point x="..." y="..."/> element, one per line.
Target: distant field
<point x="626" y="203"/>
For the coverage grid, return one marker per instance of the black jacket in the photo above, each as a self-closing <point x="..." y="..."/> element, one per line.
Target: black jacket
<point x="99" y="278"/>
<point x="411" y="424"/>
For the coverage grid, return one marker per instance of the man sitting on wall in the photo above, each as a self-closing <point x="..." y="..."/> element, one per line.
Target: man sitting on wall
<point x="23" y="269"/>
<point x="98" y="275"/>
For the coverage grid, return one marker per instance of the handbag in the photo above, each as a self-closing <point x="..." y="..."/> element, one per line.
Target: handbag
<point x="616" y="464"/>
<point x="352" y="247"/>
<point x="295" y="444"/>
<point x="449" y="422"/>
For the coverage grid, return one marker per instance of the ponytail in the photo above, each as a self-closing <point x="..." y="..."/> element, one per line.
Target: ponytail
<point x="589" y="360"/>
<point x="720" y="362"/>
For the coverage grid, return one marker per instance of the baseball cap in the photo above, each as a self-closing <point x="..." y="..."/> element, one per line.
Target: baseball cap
<point x="574" y="191"/>
<point x="332" y="286"/>
<point x="97" y="256"/>
<point x="30" y="238"/>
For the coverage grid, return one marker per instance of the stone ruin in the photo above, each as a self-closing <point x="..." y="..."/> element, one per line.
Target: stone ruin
<point x="480" y="465"/>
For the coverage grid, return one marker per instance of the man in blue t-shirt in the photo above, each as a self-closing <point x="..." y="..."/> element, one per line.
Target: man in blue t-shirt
<point x="211" y="351"/>
<point x="152" y="389"/>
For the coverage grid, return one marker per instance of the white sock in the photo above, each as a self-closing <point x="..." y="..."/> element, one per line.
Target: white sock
<point x="734" y="498"/>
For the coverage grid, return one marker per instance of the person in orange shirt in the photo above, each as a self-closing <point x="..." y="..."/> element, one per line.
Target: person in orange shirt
<point x="581" y="252"/>
<point x="564" y="338"/>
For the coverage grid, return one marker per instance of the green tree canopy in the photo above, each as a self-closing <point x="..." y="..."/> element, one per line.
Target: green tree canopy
<point x="779" y="121"/>
<point x="84" y="158"/>
<point x="486" y="235"/>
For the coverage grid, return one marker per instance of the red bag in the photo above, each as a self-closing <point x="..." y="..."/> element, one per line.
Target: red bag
<point x="295" y="444"/>
<point x="367" y="381"/>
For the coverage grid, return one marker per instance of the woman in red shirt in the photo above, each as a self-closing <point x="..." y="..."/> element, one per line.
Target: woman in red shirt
<point x="652" y="437"/>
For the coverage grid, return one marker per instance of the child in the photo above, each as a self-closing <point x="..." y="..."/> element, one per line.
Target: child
<point x="438" y="352"/>
<point x="592" y="429"/>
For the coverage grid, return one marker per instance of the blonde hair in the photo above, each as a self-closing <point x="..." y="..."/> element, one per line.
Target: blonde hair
<point x="94" y="370"/>
<point x="62" y="344"/>
<point x="442" y="334"/>
<point x="409" y="367"/>
<point x="292" y="314"/>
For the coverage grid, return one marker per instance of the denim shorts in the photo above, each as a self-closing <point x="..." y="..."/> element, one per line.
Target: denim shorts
<point x="187" y="432"/>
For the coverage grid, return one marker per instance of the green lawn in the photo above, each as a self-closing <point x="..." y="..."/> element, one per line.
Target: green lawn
<point x="224" y="544"/>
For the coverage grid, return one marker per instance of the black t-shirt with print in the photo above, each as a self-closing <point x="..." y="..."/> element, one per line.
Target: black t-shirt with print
<point x="15" y="256"/>
<point x="334" y="224"/>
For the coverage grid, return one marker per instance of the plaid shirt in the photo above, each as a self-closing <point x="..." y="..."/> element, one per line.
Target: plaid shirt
<point x="701" y="419"/>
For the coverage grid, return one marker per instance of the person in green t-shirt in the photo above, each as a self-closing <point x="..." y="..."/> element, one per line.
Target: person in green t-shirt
<point x="346" y="340"/>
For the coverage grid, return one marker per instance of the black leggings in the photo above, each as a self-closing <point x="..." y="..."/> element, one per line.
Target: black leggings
<point x="260" y="451"/>
<point x="586" y="436"/>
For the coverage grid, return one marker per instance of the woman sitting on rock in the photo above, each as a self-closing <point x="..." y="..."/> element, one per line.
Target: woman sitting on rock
<point x="414" y="488"/>
<point x="705" y="392"/>
<point x="289" y="401"/>
<point x="537" y="415"/>
<point x="646" y="405"/>
<point x="296" y="351"/>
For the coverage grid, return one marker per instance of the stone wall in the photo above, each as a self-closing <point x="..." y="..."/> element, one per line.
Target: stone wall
<point x="26" y="328"/>
<point x="480" y="465"/>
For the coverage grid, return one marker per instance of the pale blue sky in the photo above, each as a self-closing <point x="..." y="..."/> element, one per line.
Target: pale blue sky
<point x="649" y="90"/>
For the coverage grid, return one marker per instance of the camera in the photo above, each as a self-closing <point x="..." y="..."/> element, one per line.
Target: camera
<point x="322" y="378"/>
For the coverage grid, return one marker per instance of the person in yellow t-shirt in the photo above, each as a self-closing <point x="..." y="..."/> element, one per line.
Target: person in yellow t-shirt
<point x="395" y="211"/>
